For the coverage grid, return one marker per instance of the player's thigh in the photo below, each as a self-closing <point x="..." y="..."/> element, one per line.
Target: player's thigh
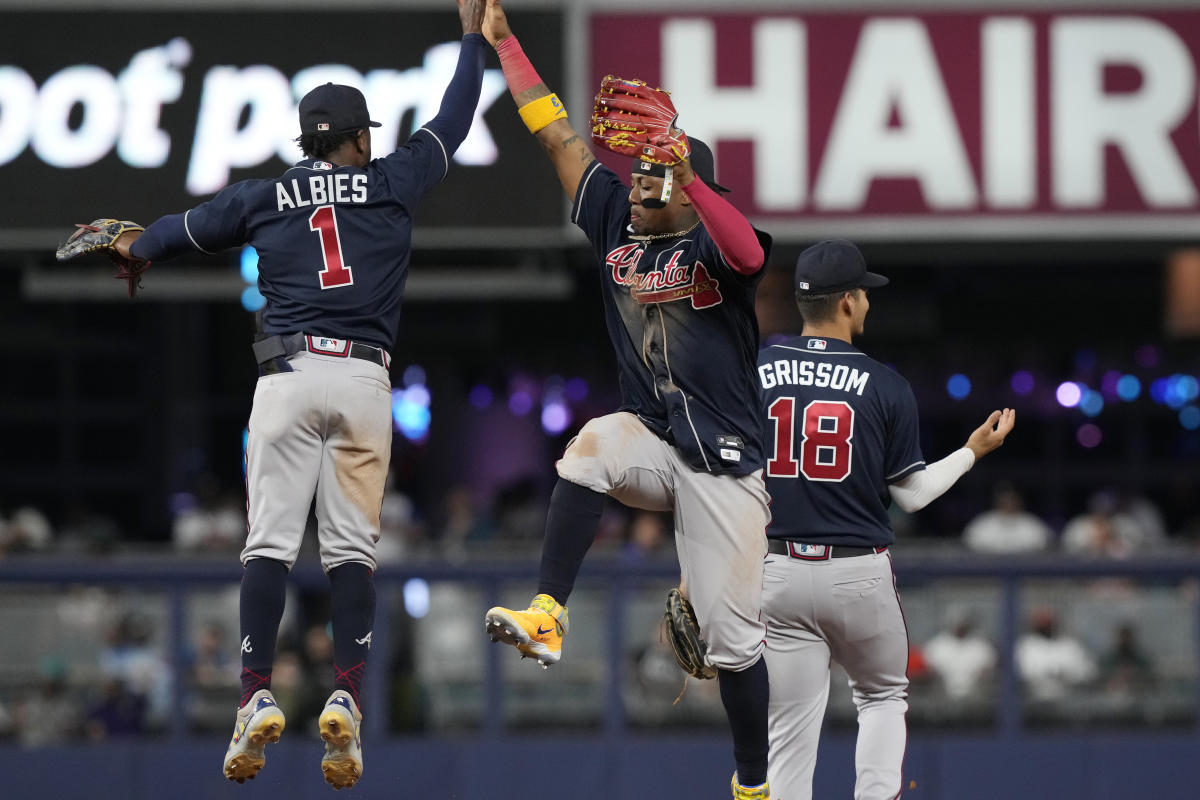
<point x="283" y="460"/>
<point x="618" y="455"/>
<point x="870" y="637"/>
<point x="354" y="463"/>
<point x="719" y="523"/>
<point x="798" y="666"/>
<point x="797" y="655"/>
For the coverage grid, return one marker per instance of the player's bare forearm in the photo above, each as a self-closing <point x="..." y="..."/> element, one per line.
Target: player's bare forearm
<point x="526" y="96"/>
<point x="568" y="152"/>
<point x="470" y="12"/>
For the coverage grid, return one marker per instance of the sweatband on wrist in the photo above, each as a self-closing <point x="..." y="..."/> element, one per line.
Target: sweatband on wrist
<point x="539" y="113"/>
<point x="518" y="72"/>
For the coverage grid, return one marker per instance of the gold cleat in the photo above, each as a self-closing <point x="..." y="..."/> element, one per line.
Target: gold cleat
<point x="537" y="631"/>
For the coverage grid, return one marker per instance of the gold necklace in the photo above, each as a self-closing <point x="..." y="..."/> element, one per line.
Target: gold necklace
<point x="650" y="237"/>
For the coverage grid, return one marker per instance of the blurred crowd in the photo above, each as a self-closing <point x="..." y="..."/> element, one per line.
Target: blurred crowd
<point x="99" y="663"/>
<point x="1112" y="522"/>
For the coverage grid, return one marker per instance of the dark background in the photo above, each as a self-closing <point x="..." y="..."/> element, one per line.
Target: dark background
<point x="116" y="406"/>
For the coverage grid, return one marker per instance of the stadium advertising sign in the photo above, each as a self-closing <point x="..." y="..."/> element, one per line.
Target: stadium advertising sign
<point x="1004" y="124"/>
<point x="188" y="103"/>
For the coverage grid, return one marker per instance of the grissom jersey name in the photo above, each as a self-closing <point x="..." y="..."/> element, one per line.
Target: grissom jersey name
<point x="810" y="373"/>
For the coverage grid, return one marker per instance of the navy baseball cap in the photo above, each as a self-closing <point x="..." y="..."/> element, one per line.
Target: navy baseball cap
<point x="333" y="108"/>
<point x="834" y="265"/>
<point x="703" y="164"/>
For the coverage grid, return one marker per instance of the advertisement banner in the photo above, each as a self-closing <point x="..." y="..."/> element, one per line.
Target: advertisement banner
<point x="913" y="125"/>
<point x="178" y="105"/>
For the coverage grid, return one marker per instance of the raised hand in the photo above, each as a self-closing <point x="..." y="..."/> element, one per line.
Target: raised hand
<point x="495" y="24"/>
<point x="471" y="14"/>
<point x="990" y="435"/>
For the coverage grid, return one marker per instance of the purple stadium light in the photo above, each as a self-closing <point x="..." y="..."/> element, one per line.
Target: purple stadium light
<point x="1068" y="394"/>
<point x="576" y="390"/>
<point x="1108" y="384"/>
<point x="1089" y="435"/>
<point x="481" y="396"/>
<point x="1022" y="382"/>
<point x="520" y="402"/>
<point x="555" y="418"/>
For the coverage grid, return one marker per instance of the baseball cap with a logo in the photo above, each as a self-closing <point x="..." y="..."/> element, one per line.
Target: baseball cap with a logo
<point x="834" y="265"/>
<point x="333" y="108"/>
<point x="701" y="158"/>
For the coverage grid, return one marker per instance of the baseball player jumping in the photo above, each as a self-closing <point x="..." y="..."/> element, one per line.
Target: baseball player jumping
<point x="679" y="270"/>
<point x="842" y="436"/>
<point x="333" y="237"/>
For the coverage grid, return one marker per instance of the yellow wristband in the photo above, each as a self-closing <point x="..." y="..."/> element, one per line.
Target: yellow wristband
<point x="539" y="113"/>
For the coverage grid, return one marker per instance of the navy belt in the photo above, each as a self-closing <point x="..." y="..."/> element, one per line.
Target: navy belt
<point x="818" y="552"/>
<point x="273" y="347"/>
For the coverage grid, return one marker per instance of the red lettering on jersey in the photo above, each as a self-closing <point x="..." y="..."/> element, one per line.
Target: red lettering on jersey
<point x="623" y="261"/>
<point x="697" y="285"/>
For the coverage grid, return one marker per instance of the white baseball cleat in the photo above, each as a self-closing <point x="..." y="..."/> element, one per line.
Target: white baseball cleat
<point x="258" y="723"/>
<point x="340" y="728"/>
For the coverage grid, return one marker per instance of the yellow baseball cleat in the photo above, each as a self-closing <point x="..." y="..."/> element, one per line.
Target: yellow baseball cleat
<point x="537" y="631"/>
<point x="340" y="725"/>
<point x="762" y="792"/>
<point x="258" y="723"/>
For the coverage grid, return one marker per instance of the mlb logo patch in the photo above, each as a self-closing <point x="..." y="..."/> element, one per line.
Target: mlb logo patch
<point x="322" y="126"/>
<point x="801" y="550"/>
<point x="322" y="165"/>
<point x="328" y="345"/>
<point x="803" y="285"/>
<point x="646" y="166"/>
<point x="817" y="344"/>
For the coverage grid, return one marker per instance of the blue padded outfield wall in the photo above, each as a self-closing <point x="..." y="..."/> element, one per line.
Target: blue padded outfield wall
<point x="1099" y="767"/>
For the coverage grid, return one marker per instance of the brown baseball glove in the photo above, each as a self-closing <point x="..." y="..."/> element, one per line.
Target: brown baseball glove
<point x="102" y="234"/>
<point x="631" y="118"/>
<point x="683" y="632"/>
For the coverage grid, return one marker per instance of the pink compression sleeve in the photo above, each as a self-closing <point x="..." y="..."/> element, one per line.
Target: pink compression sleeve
<point x="728" y="228"/>
<point x="519" y="73"/>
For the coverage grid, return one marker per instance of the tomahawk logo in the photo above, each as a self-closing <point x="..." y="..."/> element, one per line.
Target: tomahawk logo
<point x="246" y="648"/>
<point x="365" y="640"/>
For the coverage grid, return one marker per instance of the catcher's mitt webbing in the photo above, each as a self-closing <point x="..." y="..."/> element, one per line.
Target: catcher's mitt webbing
<point x="539" y="113"/>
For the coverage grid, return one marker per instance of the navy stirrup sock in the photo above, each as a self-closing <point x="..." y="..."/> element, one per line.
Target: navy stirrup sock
<point x="353" y="596"/>
<point x="744" y="695"/>
<point x="264" y="589"/>
<point x="571" y="526"/>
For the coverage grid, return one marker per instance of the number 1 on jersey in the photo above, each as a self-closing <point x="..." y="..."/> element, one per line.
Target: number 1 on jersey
<point x="336" y="273"/>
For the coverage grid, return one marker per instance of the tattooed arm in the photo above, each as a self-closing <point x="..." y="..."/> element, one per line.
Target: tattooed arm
<point x="568" y="151"/>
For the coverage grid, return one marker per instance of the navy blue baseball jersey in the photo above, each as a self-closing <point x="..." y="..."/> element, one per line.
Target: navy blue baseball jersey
<point x="682" y="323"/>
<point x="333" y="241"/>
<point x="840" y="428"/>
